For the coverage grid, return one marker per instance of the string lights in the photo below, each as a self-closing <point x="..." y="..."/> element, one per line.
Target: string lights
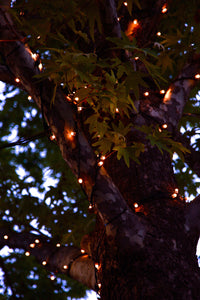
<point x="27" y="253"/>
<point x="17" y="79"/>
<point x="146" y="94"/>
<point x="65" y="267"/>
<point x="164" y="126"/>
<point x="44" y="262"/>
<point x="5" y="237"/>
<point x="197" y="76"/>
<point x="58" y="245"/>
<point x="162" y="92"/>
<point x="52" y="137"/>
<point x="164" y="8"/>
<point x="40" y="67"/>
<point x="80" y="180"/>
<point x="37" y="241"/>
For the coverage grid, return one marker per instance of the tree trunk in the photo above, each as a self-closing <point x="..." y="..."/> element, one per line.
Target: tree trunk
<point x="144" y="243"/>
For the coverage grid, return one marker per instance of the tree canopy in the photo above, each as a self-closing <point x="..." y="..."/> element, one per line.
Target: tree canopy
<point x="99" y="97"/>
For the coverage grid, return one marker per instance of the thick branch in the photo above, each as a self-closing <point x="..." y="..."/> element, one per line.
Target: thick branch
<point x="171" y="110"/>
<point x="122" y="226"/>
<point x="67" y="260"/>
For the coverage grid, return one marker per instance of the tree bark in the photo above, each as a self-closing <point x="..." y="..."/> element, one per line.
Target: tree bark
<point x="144" y="251"/>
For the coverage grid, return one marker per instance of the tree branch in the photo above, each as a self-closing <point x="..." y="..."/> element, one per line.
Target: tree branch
<point x="67" y="260"/>
<point x="171" y="110"/>
<point x="122" y="226"/>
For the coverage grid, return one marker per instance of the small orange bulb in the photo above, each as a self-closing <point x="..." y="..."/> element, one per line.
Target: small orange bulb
<point x="158" y="33"/>
<point x="164" y="8"/>
<point x="146" y="94"/>
<point x="174" y="195"/>
<point x="80" y="180"/>
<point x="27" y="253"/>
<point x="37" y="241"/>
<point x="52" y="137"/>
<point x="32" y="245"/>
<point x="125" y="4"/>
<point x="65" y="267"/>
<point x="197" y="76"/>
<point x="162" y="92"/>
<point x="136" y="205"/>
<point x="40" y="67"/>
<point x="135" y="22"/>
<point x="44" y="263"/>
<point x="100" y="163"/>
<point x="164" y="126"/>
<point x="17" y="79"/>
<point x="5" y="237"/>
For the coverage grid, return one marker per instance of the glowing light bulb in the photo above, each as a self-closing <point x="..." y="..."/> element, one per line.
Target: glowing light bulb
<point x="5" y="237"/>
<point x="164" y="126"/>
<point x="52" y="277"/>
<point x="82" y="251"/>
<point x="162" y="92"/>
<point x="135" y="22"/>
<point x="76" y="98"/>
<point x="29" y="98"/>
<point x="99" y="285"/>
<point x="136" y="58"/>
<point x="164" y="8"/>
<point x="17" y="79"/>
<point x="71" y="134"/>
<point x="37" y="241"/>
<point x="146" y="94"/>
<point x="125" y="4"/>
<point x="100" y="163"/>
<point x="158" y="33"/>
<point x="136" y="205"/>
<point x="34" y="56"/>
<point x="80" y="108"/>
<point x="58" y="245"/>
<point x="174" y="195"/>
<point x="40" y="67"/>
<point x="52" y="137"/>
<point x="117" y="110"/>
<point x="32" y="245"/>
<point x="38" y="37"/>
<point x="44" y="263"/>
<point x="97" y="266"/>
<point x="80" y="180"/>
<point x="103" y="157"/>
<point x="90" y="206"/>
<point x="197" y="76"/>
<point x="65" y="267"/>
<point x="176" y="190"/>
<point x="27" y="253"/>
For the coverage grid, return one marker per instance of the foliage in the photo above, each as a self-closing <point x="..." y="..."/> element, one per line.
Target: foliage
<point x="108" y="88"/>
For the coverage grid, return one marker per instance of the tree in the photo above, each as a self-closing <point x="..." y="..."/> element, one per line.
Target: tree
<point x="114" y="86"/>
